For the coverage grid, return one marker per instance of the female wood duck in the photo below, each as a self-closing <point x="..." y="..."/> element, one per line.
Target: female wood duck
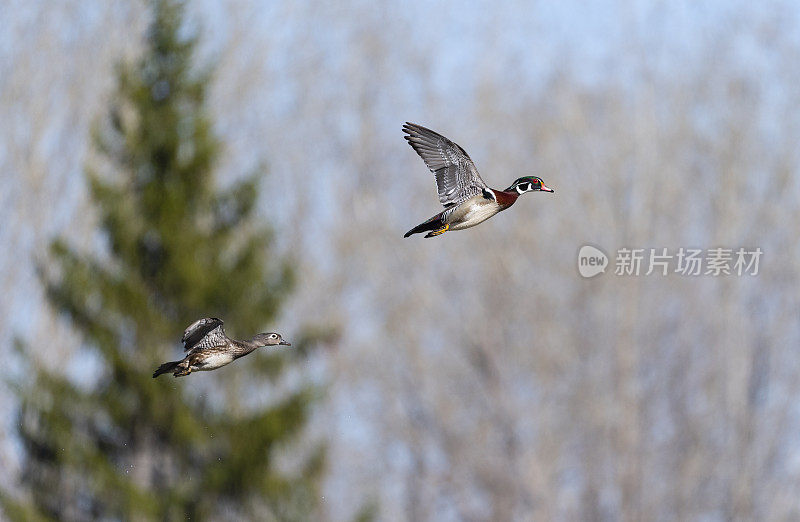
<point x="209" y="348"/>
<point x="466" y="198"/>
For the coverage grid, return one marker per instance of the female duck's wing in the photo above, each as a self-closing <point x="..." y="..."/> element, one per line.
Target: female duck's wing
<point x="457" y="179"/>
<point x="204" y="333"/>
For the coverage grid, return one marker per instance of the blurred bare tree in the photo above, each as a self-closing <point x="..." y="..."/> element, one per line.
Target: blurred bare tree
<point x="119" y="445"/>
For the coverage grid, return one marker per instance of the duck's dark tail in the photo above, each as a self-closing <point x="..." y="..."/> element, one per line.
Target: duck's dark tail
<point x="166" y="368"/>
<point x="433" y="224"/>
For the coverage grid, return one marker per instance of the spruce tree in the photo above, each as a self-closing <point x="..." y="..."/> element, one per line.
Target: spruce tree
<point x="176" y="248"/>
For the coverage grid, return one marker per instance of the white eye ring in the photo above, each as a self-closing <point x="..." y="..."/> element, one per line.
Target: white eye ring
<point x="273" y="336"/>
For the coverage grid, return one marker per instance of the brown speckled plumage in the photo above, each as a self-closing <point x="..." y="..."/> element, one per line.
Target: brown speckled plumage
<point x="209" y="348"/>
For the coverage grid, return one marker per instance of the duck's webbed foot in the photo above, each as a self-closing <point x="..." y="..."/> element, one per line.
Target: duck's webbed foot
<point x="438" y="232"/>
<point x="182" y="370"/>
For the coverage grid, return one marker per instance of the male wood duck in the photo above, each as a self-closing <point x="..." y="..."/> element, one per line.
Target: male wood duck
<point x="466" y="198"/>
<point x="209" y="348"/>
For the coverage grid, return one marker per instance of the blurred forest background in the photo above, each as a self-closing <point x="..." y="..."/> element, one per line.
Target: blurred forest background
<point x="474" y="376"/>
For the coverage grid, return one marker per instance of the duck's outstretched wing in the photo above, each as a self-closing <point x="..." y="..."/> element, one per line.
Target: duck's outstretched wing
<point x="204" y="333"/>
<point x="457" y="179"/>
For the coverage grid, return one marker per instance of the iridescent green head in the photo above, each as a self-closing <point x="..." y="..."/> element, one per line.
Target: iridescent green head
<point x="529" y="184"/>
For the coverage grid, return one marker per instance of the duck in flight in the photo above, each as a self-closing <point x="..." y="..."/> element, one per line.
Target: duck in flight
<point x="466" y="198"/>
<point x="208" y="348"/>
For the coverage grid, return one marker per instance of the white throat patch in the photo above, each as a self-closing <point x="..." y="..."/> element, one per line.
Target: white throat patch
<point x="522" y="191"/>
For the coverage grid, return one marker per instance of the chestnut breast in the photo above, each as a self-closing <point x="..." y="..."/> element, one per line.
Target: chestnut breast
<point x="506" y="199"/>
